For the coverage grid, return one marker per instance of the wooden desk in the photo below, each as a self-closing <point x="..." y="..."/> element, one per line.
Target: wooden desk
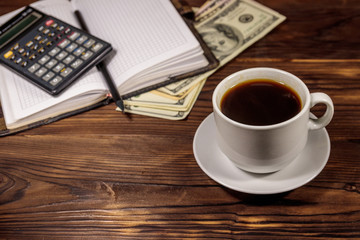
<point x="101" y="175"/>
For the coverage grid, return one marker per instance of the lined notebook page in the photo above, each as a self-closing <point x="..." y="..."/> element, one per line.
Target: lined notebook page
<point x="142" y="32"/>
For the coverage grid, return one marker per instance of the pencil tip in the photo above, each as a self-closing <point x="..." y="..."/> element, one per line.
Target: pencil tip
<point x="120" y="104"/>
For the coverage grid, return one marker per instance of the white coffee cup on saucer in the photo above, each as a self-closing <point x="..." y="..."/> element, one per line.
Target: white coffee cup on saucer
<point x="267" y="148"/>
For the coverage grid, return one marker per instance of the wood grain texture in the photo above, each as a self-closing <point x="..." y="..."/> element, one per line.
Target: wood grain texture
<point x="103" y="175"/>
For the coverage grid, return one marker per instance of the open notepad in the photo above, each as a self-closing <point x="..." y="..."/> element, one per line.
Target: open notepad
<point x="151" y="43"/>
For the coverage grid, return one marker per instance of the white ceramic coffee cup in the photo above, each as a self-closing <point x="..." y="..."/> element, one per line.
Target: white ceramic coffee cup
<point x="265" y="149"/>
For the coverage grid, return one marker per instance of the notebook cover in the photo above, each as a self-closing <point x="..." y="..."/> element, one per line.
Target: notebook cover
<point x="187" y="15"/>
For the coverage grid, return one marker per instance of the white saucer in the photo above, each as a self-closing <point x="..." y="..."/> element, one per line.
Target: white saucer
<point x="299" y="172"/>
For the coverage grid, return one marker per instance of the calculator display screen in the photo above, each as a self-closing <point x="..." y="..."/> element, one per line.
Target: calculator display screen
<point x="19" y="27"/>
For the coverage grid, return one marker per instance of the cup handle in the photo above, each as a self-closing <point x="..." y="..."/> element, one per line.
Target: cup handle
<point x="325" y="119"/>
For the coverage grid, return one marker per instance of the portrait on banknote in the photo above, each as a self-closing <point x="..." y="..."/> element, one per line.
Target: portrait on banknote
<point x="222" y="39"/>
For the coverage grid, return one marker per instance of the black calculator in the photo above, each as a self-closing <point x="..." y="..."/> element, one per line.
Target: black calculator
<point x="48" y="52"/>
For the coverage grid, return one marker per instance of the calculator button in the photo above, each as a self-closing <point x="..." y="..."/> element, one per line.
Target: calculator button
<point x="46" y="31"/>
<point x="41" y="28"/>
<point x="59" y="67"/>
<point x="78" y="51"/>
<point x="65" y="72"/>
<point x="38" y="37"/>
<point x="41" y="72"/>
<point x="97" y="47"/>
<point x="34" y="67"/>
<point x="74" y="35"/>
<point x="43" y="41"/>
<point x="71" y="47"/>
<point x="89" y="43"/>
<point x="15" y="47"/>
<point x="67" y="31"/>
<point x="29" y="44"/>
<point x="87" y="55"/>
<point x="32" y="57"/>
<point x="51" y="34"/>
<point x="61" y="55"/>
<point x="35" y="47"/>
<point x="49" y="22"/>
<point x="19" y="60"/>
<point x="8" y="54"/>
<point x="51" y="63"/>
<point x="21" y="50"/>
<point x="77" y="63"/>
<point x="26" y="53"/>
<point x="69" y="59"/>
<point x="56" y="80"/>
<point x="24" y="64"/>
<point x="64" y="43"/>
<point x="44" y="59"/>
<point x="48" y="76"/>
<point x="41" y="50"/>
<point x="54" y="25"/>
<point x="81" y="39"/>
<point x="50" y="43"/>
<point x="60" y="28"/>
<point x="54" y="51"/>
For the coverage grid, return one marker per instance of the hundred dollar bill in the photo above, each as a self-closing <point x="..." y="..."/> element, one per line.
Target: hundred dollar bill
<point x="153" y="100"/>
<point x="228" y="30"/>
<point x="166" y="113"/>
<point x="210" y="7"/>
<point x="237" y="26"/>
<point x="155" y="112"/>
<point x="180" y="95"/>
<point x="178" y="89"/>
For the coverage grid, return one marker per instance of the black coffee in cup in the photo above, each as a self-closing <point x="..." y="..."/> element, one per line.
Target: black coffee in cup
<point x="260" y="102"/>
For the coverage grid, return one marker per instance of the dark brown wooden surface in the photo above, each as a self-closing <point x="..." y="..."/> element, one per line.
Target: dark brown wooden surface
<point x="101" y="175"/>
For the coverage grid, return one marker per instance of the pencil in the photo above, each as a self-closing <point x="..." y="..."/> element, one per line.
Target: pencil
<point x="103" y="69"/>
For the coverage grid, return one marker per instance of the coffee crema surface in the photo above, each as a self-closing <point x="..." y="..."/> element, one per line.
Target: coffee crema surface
<point x="260" y="102"/>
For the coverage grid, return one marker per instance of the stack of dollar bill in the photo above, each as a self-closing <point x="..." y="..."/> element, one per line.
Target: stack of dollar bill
<point x="228" y="27"/>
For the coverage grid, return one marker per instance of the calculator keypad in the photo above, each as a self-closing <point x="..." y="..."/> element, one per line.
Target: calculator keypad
<point x="53" y="52"/>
